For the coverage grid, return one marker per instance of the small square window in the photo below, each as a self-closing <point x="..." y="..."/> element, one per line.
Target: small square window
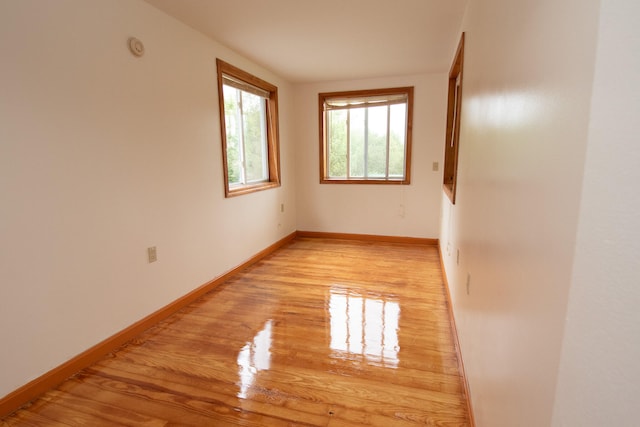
<point x="365" y="136"/>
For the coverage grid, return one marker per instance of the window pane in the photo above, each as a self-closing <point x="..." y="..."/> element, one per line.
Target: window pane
<point x="337" y="134"/>
<point x="255" y="138"/>
<point x="249" y="113"/>
<point x="377" y="142"/>
<point x="356" y="143"/>
<point x="233" y="122"/>
<point x="366" y="136"/>
<point x="398" y="120"/>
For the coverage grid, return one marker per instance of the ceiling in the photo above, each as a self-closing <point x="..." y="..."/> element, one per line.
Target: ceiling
<point x="313" y="41"/>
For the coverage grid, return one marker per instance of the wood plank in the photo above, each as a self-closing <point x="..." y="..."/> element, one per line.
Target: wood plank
<point x="370" y="237"/>
<point x="428" y="360"/>
<point x="52" y="378"/>
<point x="322" y="332"/>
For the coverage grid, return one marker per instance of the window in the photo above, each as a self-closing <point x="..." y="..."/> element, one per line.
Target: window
<point x="365" y="136"/>
<point x="452" y="141"/>
<point x="249" y="123"/>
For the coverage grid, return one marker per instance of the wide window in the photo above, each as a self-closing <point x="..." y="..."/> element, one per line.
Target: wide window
<point x="365" y="136"/>
<point x="249" y="122"/>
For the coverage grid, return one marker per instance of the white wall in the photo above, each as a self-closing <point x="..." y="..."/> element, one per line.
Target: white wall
<point x="374" y="209"/>
<point x="527" y="85"/>
<point x="102" y="155"/>
<point x="599" y="379"/>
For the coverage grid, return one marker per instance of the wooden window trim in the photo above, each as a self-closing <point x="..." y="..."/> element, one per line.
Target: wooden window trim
<point x="452" y="138"/>
<point x="273" y="140"/>
<point x="324" y="179"/>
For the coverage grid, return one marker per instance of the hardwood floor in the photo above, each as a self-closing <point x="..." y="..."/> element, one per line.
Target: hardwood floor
<point x="321" y="333"/>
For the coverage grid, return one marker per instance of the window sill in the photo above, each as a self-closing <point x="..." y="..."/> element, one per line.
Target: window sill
<point x="246" y="189"/>
<point x="365" y="181"/>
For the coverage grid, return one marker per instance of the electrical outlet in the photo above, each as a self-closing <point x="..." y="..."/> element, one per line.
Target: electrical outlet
<point x="152" y="253"/>
<point x="401" y="211"/>
<point x="435" y="166"/>
<point x="281" y="207"/>
<point x="468" y="283"/>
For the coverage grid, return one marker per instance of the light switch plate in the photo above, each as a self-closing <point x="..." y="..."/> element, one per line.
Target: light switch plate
<point x="153" y="254"/>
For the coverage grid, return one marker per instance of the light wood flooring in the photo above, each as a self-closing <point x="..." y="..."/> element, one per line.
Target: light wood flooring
<point x="321" y="333"/>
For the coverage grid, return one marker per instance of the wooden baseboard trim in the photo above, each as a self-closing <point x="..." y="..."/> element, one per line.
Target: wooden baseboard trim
<point x="456" y="342"/>
<point x="51" y="379"/>
<point x="369" y="237"/>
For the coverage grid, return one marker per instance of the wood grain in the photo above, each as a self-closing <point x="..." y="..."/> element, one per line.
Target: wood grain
<point x="323" y="332"/>
<point x="54" y="377"/>
<point x="368" y="237"/>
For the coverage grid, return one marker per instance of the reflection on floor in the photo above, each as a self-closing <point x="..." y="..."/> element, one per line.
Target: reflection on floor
<point x="365" y="326"/>
<point x="254" y="357"/>
<point x="321" y="333"/>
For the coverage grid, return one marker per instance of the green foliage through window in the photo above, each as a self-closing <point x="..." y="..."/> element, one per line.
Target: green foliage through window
<point x="246" y="136"/>
<point x="365" y="135"/>
<point x="249" y="125"/>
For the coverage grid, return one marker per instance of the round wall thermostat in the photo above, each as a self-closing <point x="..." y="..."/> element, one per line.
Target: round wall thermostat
<point x="136" y="47"/>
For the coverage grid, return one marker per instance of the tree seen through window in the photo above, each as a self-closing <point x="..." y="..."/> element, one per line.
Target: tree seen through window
<point x="365" y="137"/>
